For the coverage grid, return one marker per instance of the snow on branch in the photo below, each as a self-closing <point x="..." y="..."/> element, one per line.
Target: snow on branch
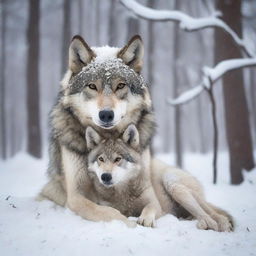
<point x="210" y="76"/>
<point x="224" y="66"/>
<point x="187" y="96"/>
<point x="185" y="21"/>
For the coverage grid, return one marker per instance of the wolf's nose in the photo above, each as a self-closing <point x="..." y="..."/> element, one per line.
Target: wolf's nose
<point x="106" y="177"/>
<point x="106" y="116"/>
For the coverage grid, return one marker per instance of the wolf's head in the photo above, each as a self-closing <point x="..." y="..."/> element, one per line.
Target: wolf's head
<point x="114" y="161"/>
<point x="103" y="85"/>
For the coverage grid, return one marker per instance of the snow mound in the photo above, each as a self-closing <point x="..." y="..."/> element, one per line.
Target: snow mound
<point x="28" y="227"/>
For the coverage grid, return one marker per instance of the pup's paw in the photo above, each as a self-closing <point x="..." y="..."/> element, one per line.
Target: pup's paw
<point x="224" y="224"/>
<point x="207" y="223"/>
<point x="147" y="221"/>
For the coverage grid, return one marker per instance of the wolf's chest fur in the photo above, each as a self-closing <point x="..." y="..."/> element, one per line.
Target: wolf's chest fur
<point x="125" y="198"/>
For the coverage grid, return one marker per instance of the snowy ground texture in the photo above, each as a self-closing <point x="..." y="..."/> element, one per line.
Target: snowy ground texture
<point x="28" y="227"/>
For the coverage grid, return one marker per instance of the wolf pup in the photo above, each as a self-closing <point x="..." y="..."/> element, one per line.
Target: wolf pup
<point x="119" y="177"/>
<point x="121" y="181"/>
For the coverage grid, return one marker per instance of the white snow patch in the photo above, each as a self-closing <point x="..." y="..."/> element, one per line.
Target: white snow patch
<point x="28" y="227"/>
<point x="105" y="53"/>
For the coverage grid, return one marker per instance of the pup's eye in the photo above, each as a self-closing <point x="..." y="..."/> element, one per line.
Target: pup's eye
<point x="92" y="86"/>
<point x="120" y="86"/>
<point x="101" y="159"/>
<point x="118" y="159"/>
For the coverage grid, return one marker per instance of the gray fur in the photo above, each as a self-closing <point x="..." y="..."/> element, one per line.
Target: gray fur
<point x="107" y="70"/>
<point x="127" y="200"/>
<point x="67" y="130"/>
<point x="127" y="196"/>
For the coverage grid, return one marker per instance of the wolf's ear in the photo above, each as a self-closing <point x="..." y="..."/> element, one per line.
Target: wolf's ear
<point x="80" y="54"/>
<point x="92" y="137"/>
<point x="131" y="136"/>
<point x="132" y="53"/>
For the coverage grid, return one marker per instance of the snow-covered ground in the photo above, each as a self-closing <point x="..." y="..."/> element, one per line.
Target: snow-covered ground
<point x="28" y="227"/>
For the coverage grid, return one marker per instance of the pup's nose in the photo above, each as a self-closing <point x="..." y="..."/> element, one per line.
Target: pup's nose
<point x="106" y="177"/>
<point x="106" y="116"/>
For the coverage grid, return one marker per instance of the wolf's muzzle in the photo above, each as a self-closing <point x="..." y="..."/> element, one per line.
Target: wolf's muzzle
<point x="106" y="116"/>
<point x="106" y="178"/>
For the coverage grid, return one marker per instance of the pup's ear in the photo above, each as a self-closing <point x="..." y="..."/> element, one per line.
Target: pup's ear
<point x="132" y="53"/>
<point x="80" y="54"/>
<point x="92" y="137"/>
<point x="131" y="136"/>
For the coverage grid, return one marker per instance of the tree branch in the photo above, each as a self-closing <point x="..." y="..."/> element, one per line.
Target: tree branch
<point x="215" y="134"/>
<point x="185" y="21"/>
<point x="210" y="76"/>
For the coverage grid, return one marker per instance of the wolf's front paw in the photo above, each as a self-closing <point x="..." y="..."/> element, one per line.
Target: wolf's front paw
<point x="224" y="224"/>
<point x="207" y="223"/>
<point x="106" y="213"/>
<point x="147" y="221"/>
<point x="131" y="224"/>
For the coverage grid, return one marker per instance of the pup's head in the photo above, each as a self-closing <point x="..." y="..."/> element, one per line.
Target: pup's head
<point x="113" y="161"/>
<point x="103" y="84"/>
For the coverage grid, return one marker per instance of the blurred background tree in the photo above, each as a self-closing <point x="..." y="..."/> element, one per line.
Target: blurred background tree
<point x="172" y="64"/>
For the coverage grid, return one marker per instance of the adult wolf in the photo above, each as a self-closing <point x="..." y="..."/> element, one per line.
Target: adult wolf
<point x="103" y="89"/>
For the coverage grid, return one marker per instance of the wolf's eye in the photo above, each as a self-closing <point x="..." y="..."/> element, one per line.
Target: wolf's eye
<point x="101" y="159"/>
<point x="118" y="159"/>
<point x="92" y="86"/>
<point x="120" y="86"/>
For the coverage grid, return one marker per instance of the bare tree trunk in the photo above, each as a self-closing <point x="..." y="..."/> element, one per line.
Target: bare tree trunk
<point x="177" y="109"/>
<point x="236" y="109"/>
<point x="80" y="15"/>
<point x="2" y="81"/>
<point x="151" y="40"/>
<point x="215" y="134"/>
<point x="133" y="27"/>
<point x="13" y="140"/>
<point x="201" y="135"/>
<point x="253" y="96"/>
<point x="97" y="22"/>
<point x="111" y="25"/>
<point x="66" y="35"/>
<point x="33" y="121"/>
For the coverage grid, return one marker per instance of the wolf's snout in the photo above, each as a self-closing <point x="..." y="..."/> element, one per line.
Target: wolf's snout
<point x="106" y="178"/>
<point x="106" y="116"/>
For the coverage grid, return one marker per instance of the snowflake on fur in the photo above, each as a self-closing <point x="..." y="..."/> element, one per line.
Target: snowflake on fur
<point x="107" y="70"/>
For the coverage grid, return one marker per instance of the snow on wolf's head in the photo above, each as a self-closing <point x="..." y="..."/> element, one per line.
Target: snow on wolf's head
<point x="113" y="161"/>
<point x="103" y="85"/>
